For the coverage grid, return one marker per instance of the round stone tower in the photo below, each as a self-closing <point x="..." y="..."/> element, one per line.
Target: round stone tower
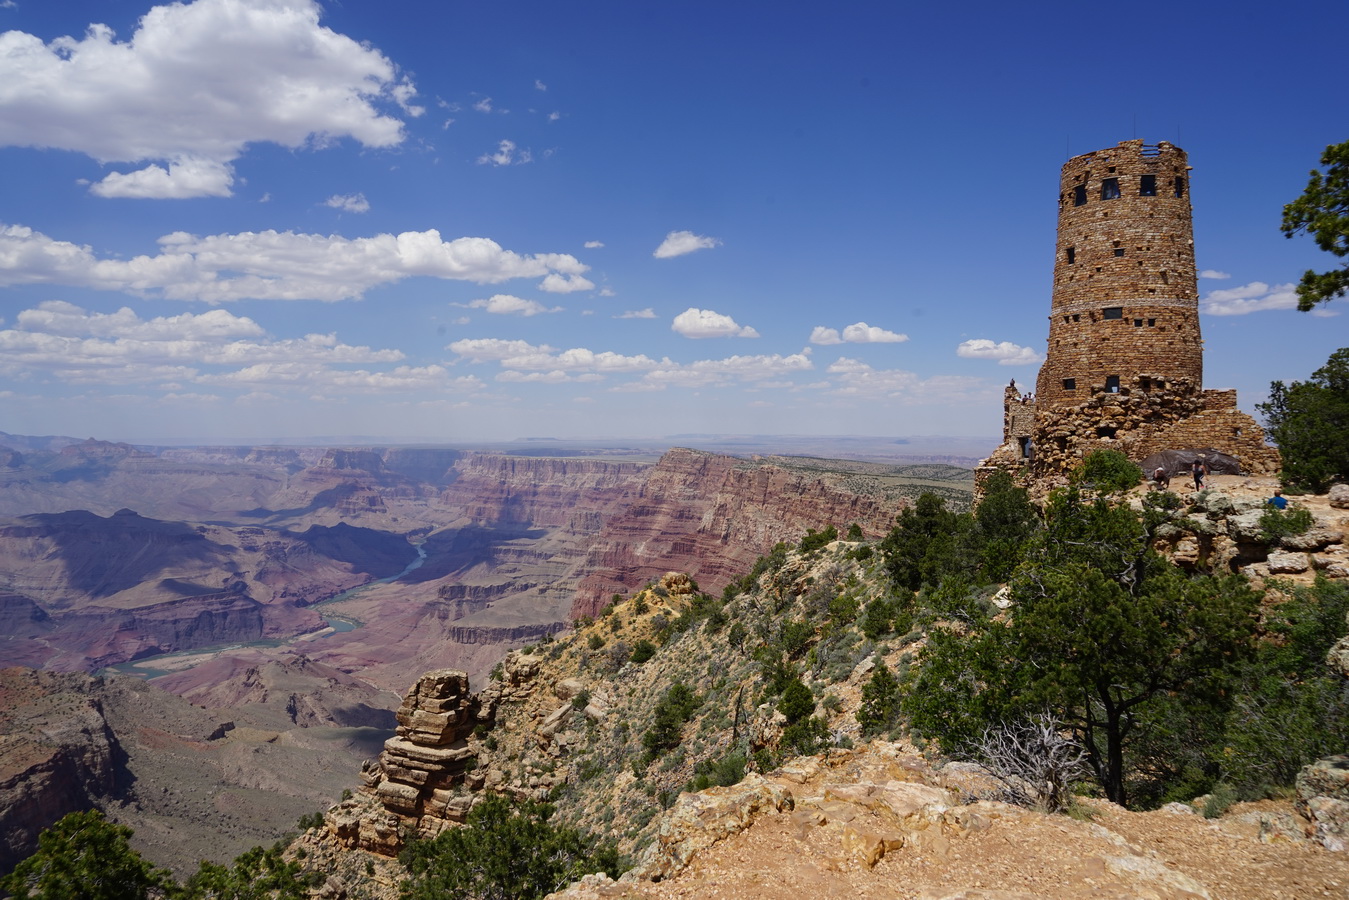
<point x="1125" y="308"/>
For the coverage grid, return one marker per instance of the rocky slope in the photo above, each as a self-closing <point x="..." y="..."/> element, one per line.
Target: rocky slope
<point x="193" y="783"/>
<point x="568" y="721"/>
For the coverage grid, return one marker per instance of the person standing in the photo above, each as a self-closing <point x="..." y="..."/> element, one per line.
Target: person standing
<point x="1200" y="470"/>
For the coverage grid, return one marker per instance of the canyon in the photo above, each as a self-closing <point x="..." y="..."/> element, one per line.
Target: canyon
<point x="296" y="592"/>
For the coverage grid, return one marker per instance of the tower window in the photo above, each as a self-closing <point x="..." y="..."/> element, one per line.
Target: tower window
<point x="1138" y="323"/>
<point x="1105" y="431"/>
<point x="1145" y="384"/>
<point x="1112" y="312"/>
<point x="1180" y="185"/>
<point x="1109" y="188"/>
<point x="1070" y="384"/>
<point x="1112" y="384"/>
<point x="1072" y="255"/>
<point x="1151" y="322"/>
<point x="1077" y="317"/>
<point x="1119" y="251"/>
<point x="1080" y="195"/>
<point x="1147" y="186"/>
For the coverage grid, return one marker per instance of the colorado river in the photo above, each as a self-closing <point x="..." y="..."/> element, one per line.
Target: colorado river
<point x="164" y="663"/>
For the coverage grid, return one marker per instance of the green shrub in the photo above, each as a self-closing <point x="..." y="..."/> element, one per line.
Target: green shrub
<point x="642" y="651"/>
<point x="880" y="701"/>
<point x="507" y="849"/>
<point x="1107" y="471"/>
<point x="1276" y="524"/>
<point x="817" y="540"/>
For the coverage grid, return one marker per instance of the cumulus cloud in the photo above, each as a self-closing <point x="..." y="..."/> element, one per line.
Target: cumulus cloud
<point x="1005" y="352"/>
<point x="506" y="154"/>
<point x="858" y="380"/>
<point x="1214" y="274"/>
<point x="594" y="245"/>
<point x="484" y="105"/>
<point x="555" y="283"/>
<point x="355" y="203"/>
<point x="1254" y="297"/>
<point x="508" y="305"/>
<point x="539" y="85"/>
<point x="647" y="313"/>
<point x="518" y="354"/>
<point x="857" y="333"/>
<point x="678" y="243"/>
<point x="75" y="345"/>
<point x="193" y="86"/>
<point x="704" y="323"/>
<point x="271" y="265"/>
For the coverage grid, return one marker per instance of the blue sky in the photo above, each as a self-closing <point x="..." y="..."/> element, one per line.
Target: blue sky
<point x="275" y="219"/>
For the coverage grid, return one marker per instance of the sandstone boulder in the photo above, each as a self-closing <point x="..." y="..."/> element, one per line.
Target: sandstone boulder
<point x="1323" y="797"/>
<point x="1282" y="563"/>
<point x="1339" y="496"/>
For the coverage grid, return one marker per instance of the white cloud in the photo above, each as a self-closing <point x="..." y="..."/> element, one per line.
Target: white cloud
<point x="508" y="305"/>
<point x="1215" y="274"/>
<point x="75" y="345"/>
<point x="704" y="323"/>
<point x="523" y="355"/>
<point x="859" y="381"/>
<point x="1254" y="297"/>
<point x="647" y="313"/>
<point x="565" y="284"/>
<point x="857" y="333"/>
<point x="506" y="154"/>
<point x="539" y="85"/>
<point x="185" y="177"/>
<point x="594" y="245"/>
<point x="273" y="265"/>
<point x="348" y="202"/>
<point x="862" y="333"/>
<point x="1005" y="352"/>
<point x="195" y="84"/>
<point x="712" y="372"/>
<point x="484" y="105"/>
<point x="554" y="116"/>
<point x="678" y="243"/>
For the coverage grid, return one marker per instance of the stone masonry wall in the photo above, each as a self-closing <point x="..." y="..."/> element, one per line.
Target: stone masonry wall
<point x="1125" y="298"/>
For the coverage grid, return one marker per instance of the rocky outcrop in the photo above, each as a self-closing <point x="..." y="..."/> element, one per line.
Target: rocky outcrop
<point x="1323" y="798"/>
<point x="416" y="784"/>
<point x="50" y="764"/>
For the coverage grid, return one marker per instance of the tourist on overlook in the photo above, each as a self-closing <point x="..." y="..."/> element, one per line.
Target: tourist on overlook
<point x="1278" y="501"/>
<point x="1200" y="470"/>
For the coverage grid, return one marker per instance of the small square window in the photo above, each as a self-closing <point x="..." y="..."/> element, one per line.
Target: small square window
<point x="1119" y="251"/>
<point x="1112" y="312"/>
<point x="1077" y="317"/>
<point x="1070" y="384"/>
<point x="1147" y="186"/>
<point x="1151" y="322"/>
<point x="1138" y="323"/>
<point x="1109" y="188"/>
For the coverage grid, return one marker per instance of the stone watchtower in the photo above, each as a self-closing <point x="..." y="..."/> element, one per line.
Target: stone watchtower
<point x="1125" y="300"/>
<point x="1124" y="366"/>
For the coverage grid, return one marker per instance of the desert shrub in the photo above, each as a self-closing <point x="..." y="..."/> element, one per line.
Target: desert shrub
<point x="674" y="709"/>
<point x="722" y="772"/>
<point x="1276" y="524"/>
<point x="1033" y="761"/>
<point x="817" y="540"/>
<point x="1107" y="471"/>
<point x="639" y="605"/>
<point x="507" y="850"/>
<point x="793" y="638"/>
<point x="595" y="642"/>
<point x="642" y="651"/>
<point x="796" y="701"/>
<point x="855" y="532"/>
<point x="880" y="701"/>
<point x="843" y="609"/>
